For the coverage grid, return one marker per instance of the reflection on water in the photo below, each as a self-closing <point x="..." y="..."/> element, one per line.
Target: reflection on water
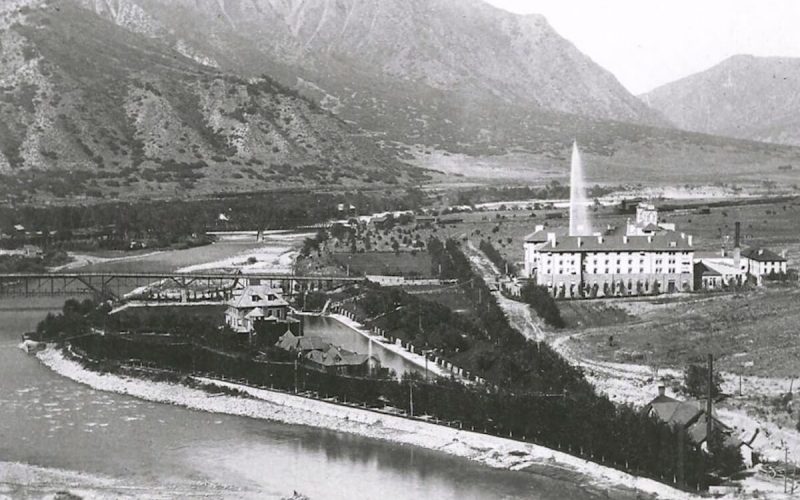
<point x="51" y="421"/>
<point x="335" y="332"/>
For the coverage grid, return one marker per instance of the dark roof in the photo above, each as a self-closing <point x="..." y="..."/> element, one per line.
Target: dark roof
<point x="257" y="296"/>
<point x="689" y="415"/>
<point x="762" y="255"/>
<point x="651" y="228"/>
<point x="664" y="241"/>
<point x="701" y="269"/>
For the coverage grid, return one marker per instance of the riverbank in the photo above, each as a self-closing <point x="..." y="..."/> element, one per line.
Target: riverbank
<point x="263" y="404"/>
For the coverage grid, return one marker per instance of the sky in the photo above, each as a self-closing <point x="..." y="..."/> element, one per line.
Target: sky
<point x="647" y="43"/>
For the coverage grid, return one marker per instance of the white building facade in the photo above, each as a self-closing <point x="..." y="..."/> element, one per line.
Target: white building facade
<point x="607" y="266"/>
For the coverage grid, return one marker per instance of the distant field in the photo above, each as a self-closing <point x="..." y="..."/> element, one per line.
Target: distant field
<point x="754" y="333"/>
<point x="386" y="263"/>
<point x="775" y="225"/>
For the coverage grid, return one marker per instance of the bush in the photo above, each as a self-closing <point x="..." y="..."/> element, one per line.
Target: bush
<point x="543" y="303"/>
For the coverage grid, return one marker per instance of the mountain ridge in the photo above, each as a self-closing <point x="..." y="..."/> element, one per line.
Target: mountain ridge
<point x="377" y="57"/>
<point x="118" y="114"/>
<point x="743" y="96"/>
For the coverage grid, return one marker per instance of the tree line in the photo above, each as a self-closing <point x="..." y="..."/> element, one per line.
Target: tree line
<point x="544" y="399"/>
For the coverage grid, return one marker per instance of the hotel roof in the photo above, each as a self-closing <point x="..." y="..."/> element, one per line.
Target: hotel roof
<point x="668" y="241"/>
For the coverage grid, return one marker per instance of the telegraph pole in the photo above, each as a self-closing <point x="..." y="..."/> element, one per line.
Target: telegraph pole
<point x="709" y="404"/>
<point x="411" y="399"/>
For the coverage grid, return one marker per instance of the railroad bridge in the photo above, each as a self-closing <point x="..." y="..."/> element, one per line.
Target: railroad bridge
<point x="115" y="285"/>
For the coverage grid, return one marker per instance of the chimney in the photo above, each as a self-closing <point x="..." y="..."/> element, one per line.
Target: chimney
<point x="737" y="251"/>
<point x="599" y="238"/>
<point x="579" y="242"/>
<point x="649" y="238"/>
<point x="539" y="227"/>
<point x="662" y="390"/>
<point x="689" y="238"/>
<point x="625" y="239"/>
<point x="736" y="234"/>
<point x="551" y="238"/>
<point x="760" y="251"/>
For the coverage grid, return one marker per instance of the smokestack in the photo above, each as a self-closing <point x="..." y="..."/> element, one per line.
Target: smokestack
<point x="662" y="390"/>
<point x="736" y="234"/>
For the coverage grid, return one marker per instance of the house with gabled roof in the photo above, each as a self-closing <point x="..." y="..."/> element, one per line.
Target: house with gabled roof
<point x="760" y="262"/>
<point x="253" y="305"/>
<point x="691" y="416"/>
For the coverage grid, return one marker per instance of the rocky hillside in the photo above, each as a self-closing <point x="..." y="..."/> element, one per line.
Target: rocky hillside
<point x="440" y="72"/>
<point x="89" y="108"/>
<point x="748" y="97"/>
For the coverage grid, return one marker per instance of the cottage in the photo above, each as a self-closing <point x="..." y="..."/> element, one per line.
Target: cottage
<point x="337" y="360"/>
<point x="326" y="357"/>
<point x="32" y="251"/>
<point x="761" y="262"/>
<point x="255" y="304"/>
<point x="691" y="416"/>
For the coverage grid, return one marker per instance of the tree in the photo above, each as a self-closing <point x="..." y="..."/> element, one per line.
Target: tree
<point x="725" y="457"/>
<point x="695" y="381"/>
<point x="543" y="303"/>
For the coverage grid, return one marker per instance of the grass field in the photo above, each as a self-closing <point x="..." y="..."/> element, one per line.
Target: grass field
<point x="753" y="332"/>
<point x="406" y="264"/>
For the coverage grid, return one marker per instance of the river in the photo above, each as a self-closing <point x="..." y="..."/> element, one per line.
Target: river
<point x="52" y="422"/>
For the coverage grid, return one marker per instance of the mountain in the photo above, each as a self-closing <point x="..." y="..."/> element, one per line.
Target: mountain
<point x="748" y="97"/>
<point x="443" y="73"/>
<point x="90" y="108"/>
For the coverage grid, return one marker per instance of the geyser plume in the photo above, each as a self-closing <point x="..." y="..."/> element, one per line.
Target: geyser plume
<point x="578" y="205"/>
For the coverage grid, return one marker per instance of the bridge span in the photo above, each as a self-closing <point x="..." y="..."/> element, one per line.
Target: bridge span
<point x="115" y="285"/>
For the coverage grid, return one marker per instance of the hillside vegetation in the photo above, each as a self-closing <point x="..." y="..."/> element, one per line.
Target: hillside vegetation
<point x="90" y="109"/>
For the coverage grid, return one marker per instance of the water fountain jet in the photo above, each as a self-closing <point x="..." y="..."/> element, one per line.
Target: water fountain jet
<point x="578" y="204"/>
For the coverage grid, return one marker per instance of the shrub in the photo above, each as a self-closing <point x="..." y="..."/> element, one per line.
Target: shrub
<point x="543" y="303"/>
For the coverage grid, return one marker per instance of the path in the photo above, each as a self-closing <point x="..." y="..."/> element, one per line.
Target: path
<point x="637" y="384"/>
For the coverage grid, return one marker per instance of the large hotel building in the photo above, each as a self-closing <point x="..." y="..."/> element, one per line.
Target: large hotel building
<point x="648" y="259"/>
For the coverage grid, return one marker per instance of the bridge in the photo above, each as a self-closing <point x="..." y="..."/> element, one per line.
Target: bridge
<point x="114" y="285"/>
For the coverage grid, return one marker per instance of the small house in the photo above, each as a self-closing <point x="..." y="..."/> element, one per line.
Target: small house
<point x="253" y="305"/>
<point x="761" y="262"/>
<point x="691" y="416"/>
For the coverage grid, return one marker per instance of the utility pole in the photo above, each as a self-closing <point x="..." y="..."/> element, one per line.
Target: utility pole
<point x="681" y="457"/>
<point x="411" y="399"/>
<point x="785" y="468"/>
<point x="295" y="375"/>
<point x="709" y="403"/>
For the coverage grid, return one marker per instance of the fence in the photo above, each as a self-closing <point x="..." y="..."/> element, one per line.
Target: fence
<point x="455" y="371"/>
<point x="453" y="405"/>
